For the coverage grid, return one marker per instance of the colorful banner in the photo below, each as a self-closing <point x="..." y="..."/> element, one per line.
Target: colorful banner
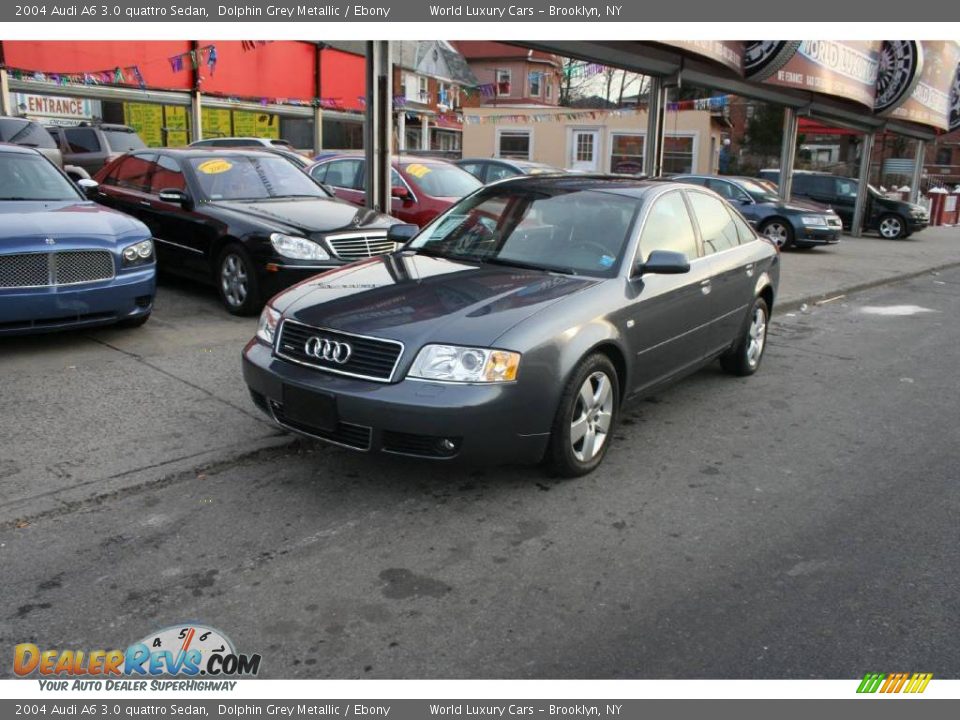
<point x="929" y="103"/>
<point x="846" y="69"/>
<point x="725" y="52"/>
<point x="702" y="104"/>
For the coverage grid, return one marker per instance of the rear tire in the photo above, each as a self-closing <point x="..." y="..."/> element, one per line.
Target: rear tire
<point x="744" y="357"/>
<point x="586" y="417"/>
<point x="237" y="282"/>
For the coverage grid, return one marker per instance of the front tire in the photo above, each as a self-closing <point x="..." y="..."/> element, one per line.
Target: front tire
<point x="779" y="231"/>
<point x="237" y="282"/>
<point x="585" y="419"/>
<point x="892" y="227"/>
<point x="744" y="357"/>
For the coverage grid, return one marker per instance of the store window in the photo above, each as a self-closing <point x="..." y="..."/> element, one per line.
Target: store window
<point x="626" y="154"/>
<point x="678" y="154"/>
<point x="514" y="144"/>
<point x="535" y="79"/>
<point x="446" y="140"/>
<point x="504" y="78"/>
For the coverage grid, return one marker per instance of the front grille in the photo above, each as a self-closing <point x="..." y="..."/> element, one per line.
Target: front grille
<point x="68" y="267"/>
<point x="370" y="358"/>
<point x="348" y="434"/>
<point x="356" y="246"/>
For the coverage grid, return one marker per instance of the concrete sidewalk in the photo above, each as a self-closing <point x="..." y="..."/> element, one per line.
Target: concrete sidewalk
<point x="858" y="263"/>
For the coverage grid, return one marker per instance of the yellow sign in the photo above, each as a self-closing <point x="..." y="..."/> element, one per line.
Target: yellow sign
<point x="176" y="123"/>
<point x="214" y="167"/>
<point x="417" y="170"/>
<point x="216" y="123"/>
<point x="147" y="120"/>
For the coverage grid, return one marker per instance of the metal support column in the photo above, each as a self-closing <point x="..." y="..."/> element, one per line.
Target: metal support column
<point x="378" y="126"/>
<point x="788" y="152"/>
<point x="859" y="210"/>
<point x="401" y="130"/>
<point x="196" y="117"/>
<point x="6" y="103"/>
<point x="917" y="171"/>
<point x="653" y="143"/>
<point x="317" y="129"/>
<point x="424" y="132"/>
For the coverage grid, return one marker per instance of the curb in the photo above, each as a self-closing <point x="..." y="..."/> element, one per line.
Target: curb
<point x="860" y="287"/>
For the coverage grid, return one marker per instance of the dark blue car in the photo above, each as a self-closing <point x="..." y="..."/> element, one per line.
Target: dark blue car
<point x="798" y="223"/>
<point x="64" y="261"/>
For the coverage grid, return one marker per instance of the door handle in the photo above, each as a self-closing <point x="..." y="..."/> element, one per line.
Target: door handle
<point x="749" y="269"/>
<point x="146" y="203"/>
<point x="705" y="286"/>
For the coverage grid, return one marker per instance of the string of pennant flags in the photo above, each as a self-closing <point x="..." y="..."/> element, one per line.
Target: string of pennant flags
<point x="127" y="75"/>
<point x="712" y="103"/>
<point x="206" y="55"/>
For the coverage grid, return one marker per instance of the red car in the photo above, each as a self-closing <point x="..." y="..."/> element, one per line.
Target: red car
<point x="422" y="187"/>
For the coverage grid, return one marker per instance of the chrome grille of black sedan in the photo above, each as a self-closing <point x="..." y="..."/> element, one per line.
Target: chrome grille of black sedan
<point x="368" y="358"/>
<point x="356" y="246"/>
<point x="68" y="267"/>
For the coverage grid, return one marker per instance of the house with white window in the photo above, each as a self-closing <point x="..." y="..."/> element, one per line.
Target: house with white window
<point x="429" y="81"/>
<point x="592" y="140"/>
<point x="511" y="75"/>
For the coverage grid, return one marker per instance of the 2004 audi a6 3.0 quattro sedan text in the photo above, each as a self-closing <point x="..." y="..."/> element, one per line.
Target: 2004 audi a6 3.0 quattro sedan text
<point x="514" y="325"/>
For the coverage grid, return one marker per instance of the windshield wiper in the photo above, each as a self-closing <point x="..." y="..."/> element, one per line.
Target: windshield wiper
<point x="529" y="266"/>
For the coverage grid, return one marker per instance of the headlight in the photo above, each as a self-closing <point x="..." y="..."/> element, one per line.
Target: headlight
<point x="267" y="327"/>
<point x="297" y="248"/>
<point x="465" y="364"/>
<point x="138" y="253"/>
<point x="813" y="220"/>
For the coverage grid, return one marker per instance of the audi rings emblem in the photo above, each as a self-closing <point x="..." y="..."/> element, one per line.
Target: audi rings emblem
<point x="329" y="350"/>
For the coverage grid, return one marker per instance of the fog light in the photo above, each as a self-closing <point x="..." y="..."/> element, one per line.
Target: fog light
<point x="448" y="445"/>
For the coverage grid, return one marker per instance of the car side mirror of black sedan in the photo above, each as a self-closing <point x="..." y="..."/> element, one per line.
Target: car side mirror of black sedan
<point x="174" y="197"/>
<point x="664" y="262"/>
<point x="402" y="232"/>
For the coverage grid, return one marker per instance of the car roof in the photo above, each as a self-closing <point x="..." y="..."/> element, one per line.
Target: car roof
<point x="618" y="184"/>
<point x="14" y="148"/>
<point x="359" y="154"/>
<point x="207" y="151"/>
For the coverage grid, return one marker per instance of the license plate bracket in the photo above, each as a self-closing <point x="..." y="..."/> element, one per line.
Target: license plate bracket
<point x="310" y="408"/>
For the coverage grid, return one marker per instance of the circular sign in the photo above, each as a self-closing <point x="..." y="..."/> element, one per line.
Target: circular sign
<point x="901" y="62"/>
<point x="762" y="58"/>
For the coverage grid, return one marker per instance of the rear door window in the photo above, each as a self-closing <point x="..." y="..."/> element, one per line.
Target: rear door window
<point x="717" y="229"/>
<point x="134" y="172"/>
<point x="82" y="140"/>
<point x="344" y="174"/>
<point x="167" y="175"/>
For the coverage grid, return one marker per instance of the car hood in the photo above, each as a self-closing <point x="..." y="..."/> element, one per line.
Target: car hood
<point x="25" y="222"/>
<point x="306" y="214"/>
<point x="798" y="205"/>
<point x="418" y="299"/>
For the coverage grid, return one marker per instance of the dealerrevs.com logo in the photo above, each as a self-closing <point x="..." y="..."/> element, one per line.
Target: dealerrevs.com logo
<point x="887" y="683"/>
<point x="186" y="651"/>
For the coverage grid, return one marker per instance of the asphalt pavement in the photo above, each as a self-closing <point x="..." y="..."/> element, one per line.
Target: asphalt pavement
<point x="799" y="523"/>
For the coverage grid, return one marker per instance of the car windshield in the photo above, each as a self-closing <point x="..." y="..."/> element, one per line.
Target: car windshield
<point x="758" y="192"/>
<point x="580" y="232"/>
<point x="26" y="176"/>
<point x="123" y="140"/>
<point x="441" y="180"/>
<point x="238" y="177"/>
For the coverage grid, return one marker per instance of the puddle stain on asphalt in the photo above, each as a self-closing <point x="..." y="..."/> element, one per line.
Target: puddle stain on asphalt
<point x="402" y="584"/>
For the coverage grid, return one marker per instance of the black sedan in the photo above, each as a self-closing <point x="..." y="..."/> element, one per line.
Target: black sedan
<point x="798" y="223"/>
<point x="247" y="220"/>
<point x="514" y="325"/>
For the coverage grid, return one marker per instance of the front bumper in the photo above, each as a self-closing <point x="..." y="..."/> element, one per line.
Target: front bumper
<point x="816" y="234"/>
<point x="481" y="422"/>
<point x="25" y="311"/>
<point x="916" y="224"/>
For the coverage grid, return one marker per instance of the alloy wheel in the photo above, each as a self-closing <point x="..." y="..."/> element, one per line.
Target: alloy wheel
<point x="777" y="232"/>
<point x="592" y="416"/>
<point x="891" y="227"/>
<point x="757" y="336"/>
<point x="233" y="280"/>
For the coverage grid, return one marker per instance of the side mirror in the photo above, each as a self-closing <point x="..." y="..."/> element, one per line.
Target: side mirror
<point x="664" y="262"/>
<point x="400" y="192"/>
<point x="174" y="197"/>
<point x="745" y="200"/>
<point x="88" y="185"/>
<point x="402" y="232"/>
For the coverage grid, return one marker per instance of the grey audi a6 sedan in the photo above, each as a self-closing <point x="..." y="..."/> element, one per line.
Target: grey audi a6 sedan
<point x="514" y="326"/>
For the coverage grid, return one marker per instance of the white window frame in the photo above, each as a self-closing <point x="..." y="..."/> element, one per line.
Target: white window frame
<point x="411" y="87"/>
<point x="423" y="88"/>
<point x="539" y="80"/>
<point x="695" y="148"/>
<point x="513" y="131"/>
<point x="611" y="144"/>
<point x="497" y="81"/>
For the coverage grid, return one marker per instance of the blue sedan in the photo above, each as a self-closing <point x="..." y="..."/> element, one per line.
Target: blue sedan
<point x="66" y="262"/>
